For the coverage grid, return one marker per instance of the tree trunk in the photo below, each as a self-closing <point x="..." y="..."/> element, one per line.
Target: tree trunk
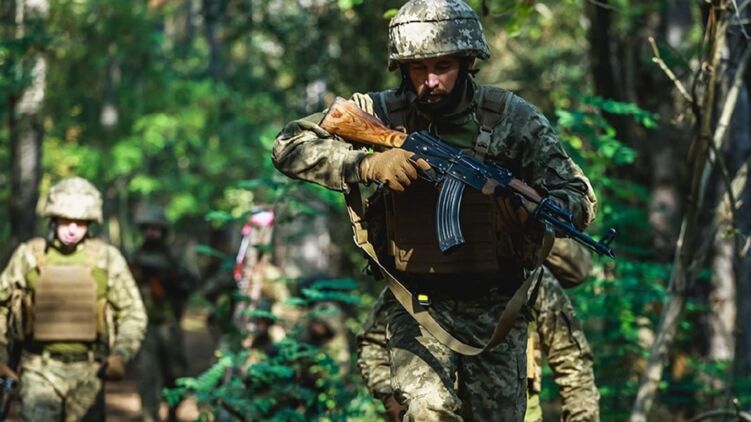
<point x="722" y="297"/>
<point x="211" y="13"/>
<point x="712" y="131"/>
<point x="26" y="128"/>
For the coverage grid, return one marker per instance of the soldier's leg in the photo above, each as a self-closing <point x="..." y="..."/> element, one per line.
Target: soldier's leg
<point x="174" y="361"/>
<point x="150" y="375"/>
<point x="82" y="400"/>
<point x="493" y="385"/>
<point x="422" y="371"/>
<point x="40" y="401"/>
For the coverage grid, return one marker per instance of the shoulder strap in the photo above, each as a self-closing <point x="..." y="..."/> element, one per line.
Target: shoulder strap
<point x="420" y="313"/>
<point x="490" y="108"/>
<point x="394" y="108"/>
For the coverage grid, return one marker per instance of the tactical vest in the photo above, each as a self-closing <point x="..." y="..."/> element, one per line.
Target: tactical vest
<point x="410" y="216"/>
<point x="68" y="300"/>
<point x="153" y="271"/>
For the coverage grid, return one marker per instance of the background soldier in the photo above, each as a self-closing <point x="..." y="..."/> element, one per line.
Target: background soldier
<point x="435" y="43"/>
<point x="64" y="346"/>
<point x="556" y="330"/>
<point x="165" y="287"/>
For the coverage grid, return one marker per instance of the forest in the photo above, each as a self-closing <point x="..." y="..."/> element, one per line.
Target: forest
<point x="178" y="103"/>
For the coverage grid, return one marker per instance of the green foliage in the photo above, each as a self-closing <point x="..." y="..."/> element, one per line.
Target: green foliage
<point x="294" y="379"/>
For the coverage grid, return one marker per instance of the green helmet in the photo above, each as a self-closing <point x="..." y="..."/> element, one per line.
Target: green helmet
<point x="423" y="29"/>
<point x="152" y="215"/>
<point x="75" y="198"/>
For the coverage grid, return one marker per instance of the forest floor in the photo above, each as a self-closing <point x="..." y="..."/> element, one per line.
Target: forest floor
<point x="123" y="403"/>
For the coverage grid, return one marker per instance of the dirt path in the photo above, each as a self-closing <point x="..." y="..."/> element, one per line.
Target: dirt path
<point x="123" y="403"/>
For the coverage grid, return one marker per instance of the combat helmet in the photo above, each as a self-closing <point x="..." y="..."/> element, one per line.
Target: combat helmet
<point x="75" y="198"/>
<point x="153" y="215"/>
<point x="423" y="29"/>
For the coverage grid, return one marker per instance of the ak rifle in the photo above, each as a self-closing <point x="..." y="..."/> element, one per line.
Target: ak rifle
<point x="454" y="169"/>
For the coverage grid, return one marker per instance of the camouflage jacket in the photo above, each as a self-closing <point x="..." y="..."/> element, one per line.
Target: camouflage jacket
<point x="122" y="296"/>
<point x="522" y="141"/>
<point x="164" y="282"/>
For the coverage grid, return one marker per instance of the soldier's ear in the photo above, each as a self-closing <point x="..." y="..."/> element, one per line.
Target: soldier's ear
<point x="469" y="64"/>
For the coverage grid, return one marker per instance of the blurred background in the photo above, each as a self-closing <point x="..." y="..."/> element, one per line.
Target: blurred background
<point x="177" y="103"/>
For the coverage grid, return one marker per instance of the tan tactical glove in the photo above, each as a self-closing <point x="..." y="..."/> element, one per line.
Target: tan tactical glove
<point x="6" y="372"/>
<point x="394" y="410"/>
<point x="364" y="102"/>
<point x="393" y="168"/>
<point x="115" y="370"/>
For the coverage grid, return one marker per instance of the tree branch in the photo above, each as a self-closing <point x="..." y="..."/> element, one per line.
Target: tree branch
<point x="658" y="59"/>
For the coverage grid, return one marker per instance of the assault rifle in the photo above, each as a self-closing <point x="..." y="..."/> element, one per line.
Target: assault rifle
<point x="455" y="169"/>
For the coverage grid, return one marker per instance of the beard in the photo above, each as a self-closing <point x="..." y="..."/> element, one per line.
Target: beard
<point x="447" y="102"/>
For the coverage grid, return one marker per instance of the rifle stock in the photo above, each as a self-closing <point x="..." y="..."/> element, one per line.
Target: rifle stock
<point x="346" y="119"/>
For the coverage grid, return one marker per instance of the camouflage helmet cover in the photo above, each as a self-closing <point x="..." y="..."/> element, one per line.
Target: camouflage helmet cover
<point x="75" y="198"/>
<point x="152" y="215"/>
<point x="424" y="29"/>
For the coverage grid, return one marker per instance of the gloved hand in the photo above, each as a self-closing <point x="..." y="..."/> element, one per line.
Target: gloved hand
<point x="393" y="168"/>
<point x="115" y="368"/>
<point x="513" y="212"/>
<point x="364" y="102"/>
<point x="6" y="372"/>
<point x="394" y="410"/>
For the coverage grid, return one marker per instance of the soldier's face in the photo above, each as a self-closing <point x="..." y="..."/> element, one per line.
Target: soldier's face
<point x="434" y="79"/>
<point x="152" y="232"/>
<point x="70" y="231"/>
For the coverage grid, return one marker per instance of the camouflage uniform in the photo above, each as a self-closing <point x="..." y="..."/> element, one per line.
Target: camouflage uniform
<point x="165" y="287"/>
<point x="559" y="334"/>
<point x="424" y="372"/>
<point x="556" y="330"/>
<point x="60" y="379"/>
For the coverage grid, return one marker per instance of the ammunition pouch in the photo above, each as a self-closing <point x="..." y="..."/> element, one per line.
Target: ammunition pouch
<point x="412" y="239"/>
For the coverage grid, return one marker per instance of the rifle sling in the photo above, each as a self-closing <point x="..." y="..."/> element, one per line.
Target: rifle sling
<point x="420" y="313"/>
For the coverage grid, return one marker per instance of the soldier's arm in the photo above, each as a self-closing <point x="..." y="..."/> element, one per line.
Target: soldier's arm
<point x="372" y="352"/>
<point x="546" y="165"/>
<point x="129" y="313"/>
<point x="12" y="279"/>
<point x="303" y="150"/>
<point x="568" y="353"/>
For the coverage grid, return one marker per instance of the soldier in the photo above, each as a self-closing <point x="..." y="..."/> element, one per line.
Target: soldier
<point x="435" y="44"/>
<point x="556" y="330"/>
<point x="66" y="349"/>
<point x="165" y="287"/>
<point x="324" y="328"/>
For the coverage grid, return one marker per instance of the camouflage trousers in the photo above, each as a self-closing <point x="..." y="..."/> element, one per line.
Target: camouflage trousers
<point x="52" y="390"/>
<point x="437" y="384"/>
<point x="160" y="361"/>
